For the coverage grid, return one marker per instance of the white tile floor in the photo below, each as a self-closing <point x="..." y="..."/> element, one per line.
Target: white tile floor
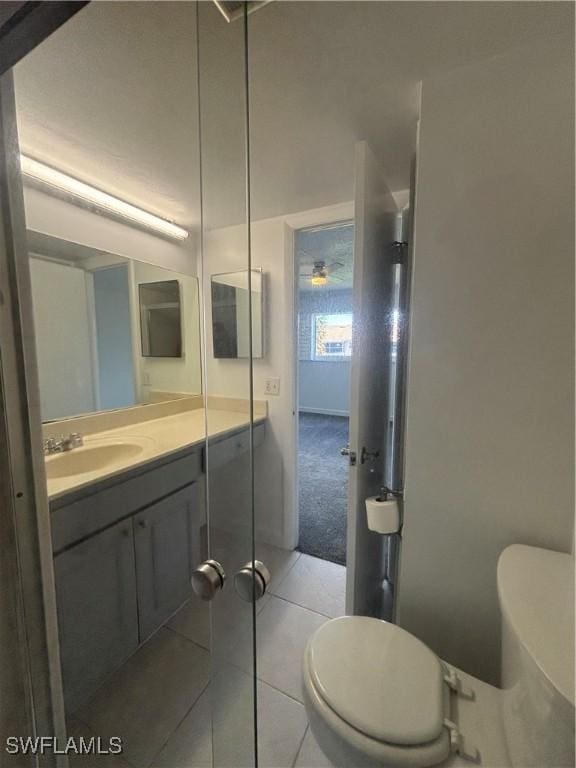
<point x="147" y="698"/>
<point x="164" y="706"/>
<point x="315" y="584"/>
<point x="310" y="754"/>
<point x="282" y="631"/>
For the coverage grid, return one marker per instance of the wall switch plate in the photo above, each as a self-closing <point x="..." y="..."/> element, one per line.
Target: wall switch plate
<point x="272" y="386"/>
<point x="146" y="379"/>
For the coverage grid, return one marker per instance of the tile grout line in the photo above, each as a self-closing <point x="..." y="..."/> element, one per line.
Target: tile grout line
<point x="279" y="690"/>
<point x="283" y="579"/>
<point x="182" y="637"/>
<point x="305" y="608"/>
<point x="300" y="746"/>
<point x="196" y="700"/>
<point x="260" y="680"/>
<point x="266" y="682"/>
<point x="240" y="668"/>
<point x="189" y="639"/>
<point x="122" y="756"/>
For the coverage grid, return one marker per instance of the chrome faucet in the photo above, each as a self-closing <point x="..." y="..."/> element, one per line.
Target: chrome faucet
<point x="62" y="444"/>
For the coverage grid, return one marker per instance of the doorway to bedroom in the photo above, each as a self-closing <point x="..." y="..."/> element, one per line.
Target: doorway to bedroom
<point x="324" y="261"/>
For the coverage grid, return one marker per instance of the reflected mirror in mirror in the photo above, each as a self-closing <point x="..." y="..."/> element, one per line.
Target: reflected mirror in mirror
<point x="160" y="321"/>
<point x="90" y="335"/>
<point x="230" y="314"/>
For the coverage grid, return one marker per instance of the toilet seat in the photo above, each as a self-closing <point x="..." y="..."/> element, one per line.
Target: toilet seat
<point x="378" y="690"/>
<point x="379" y="678"/>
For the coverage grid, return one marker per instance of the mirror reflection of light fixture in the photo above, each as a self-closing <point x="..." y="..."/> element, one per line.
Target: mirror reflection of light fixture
<point x="319" y="280"/>
<point x="50" y="177"/>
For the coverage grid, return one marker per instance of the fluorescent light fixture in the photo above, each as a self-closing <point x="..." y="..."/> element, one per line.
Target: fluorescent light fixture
<point x="64" y="183"/>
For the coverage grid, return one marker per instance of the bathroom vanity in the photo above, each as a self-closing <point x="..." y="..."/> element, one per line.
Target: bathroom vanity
<point x="125" y="428"/>
<point x="127" y="536"/>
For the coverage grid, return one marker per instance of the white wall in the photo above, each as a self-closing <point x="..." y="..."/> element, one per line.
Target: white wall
<point x="489" y="455"/>
<point x="275" y="462"/>
<point x="324" y="387"/>
<point x="225" y="251"/>
<point x="64" y="339"/>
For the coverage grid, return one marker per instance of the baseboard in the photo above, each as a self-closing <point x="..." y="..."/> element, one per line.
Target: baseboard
<point x="324" y="411"/>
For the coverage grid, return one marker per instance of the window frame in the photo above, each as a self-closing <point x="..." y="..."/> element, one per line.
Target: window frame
<point x="329" y="357"/>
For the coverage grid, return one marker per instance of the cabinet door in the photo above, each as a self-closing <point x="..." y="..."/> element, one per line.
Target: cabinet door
<point x="96" y="595"/>
<point x="164" y="535"/>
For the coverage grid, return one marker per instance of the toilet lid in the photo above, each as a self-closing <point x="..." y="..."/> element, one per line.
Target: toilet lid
<point x="379" y="678"/>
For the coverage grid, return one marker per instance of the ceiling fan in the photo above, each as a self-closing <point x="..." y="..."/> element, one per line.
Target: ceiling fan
<point x="321" y="273"/>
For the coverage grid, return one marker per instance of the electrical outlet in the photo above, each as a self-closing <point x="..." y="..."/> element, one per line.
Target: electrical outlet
<point x="272" y="387"/>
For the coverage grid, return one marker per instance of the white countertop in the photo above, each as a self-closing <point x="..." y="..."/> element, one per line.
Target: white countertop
<point x="152" y="440"/>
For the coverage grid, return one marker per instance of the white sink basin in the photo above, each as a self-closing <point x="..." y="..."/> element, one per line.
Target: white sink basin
<point x="92" y="457"/>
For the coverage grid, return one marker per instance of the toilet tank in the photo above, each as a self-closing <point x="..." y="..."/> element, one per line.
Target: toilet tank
<point x="536" y="593"/>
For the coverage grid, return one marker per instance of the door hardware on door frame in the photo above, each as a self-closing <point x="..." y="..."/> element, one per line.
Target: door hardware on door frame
<point x="389" y="493"/>
<point x="366" y="455"/>
<point x="351" y="455"/>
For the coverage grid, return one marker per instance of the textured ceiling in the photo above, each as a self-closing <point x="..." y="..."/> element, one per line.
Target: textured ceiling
<point x="332" y="245"/>
<point x="111" y="97"/>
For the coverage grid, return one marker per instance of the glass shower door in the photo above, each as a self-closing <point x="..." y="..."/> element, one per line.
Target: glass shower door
<point x="227" y="282"/>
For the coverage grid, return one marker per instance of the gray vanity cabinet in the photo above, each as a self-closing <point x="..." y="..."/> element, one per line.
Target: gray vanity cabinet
<point x="165" y="538"/>
<point x="124" y="555"/>
<point x="97" y="611"/>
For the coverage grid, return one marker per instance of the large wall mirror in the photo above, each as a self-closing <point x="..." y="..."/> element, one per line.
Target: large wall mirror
<point x="111" y="332"/>
<point x="230" y="314"/>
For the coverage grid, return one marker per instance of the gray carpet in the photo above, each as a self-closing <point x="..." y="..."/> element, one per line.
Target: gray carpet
<point x="323" y="480"/>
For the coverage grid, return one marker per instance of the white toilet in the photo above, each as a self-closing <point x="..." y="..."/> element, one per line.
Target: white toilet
<point x="378" y="696"/>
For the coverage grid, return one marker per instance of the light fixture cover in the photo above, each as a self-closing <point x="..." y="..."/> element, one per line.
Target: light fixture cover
<point x="45" y="174"/>
<point x="319" y="280"/>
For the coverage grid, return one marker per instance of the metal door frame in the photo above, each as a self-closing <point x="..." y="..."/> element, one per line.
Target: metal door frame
<point x="32" y="702"/>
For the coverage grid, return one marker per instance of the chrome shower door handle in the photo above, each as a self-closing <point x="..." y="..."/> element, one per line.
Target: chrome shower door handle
<point x="251" y="581"/>
<point x="208" y="579"/>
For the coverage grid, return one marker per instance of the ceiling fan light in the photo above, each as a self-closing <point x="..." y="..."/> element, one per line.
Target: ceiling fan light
<point x="319" y="280"/>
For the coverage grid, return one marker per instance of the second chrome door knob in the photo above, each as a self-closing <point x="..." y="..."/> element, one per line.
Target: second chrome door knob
<point x="252" y="580"/>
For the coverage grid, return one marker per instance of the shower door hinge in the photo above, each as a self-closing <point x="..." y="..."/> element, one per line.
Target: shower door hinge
<point x="400" y="251"/>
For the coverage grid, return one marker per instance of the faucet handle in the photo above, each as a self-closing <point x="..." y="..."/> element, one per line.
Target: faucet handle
<point x="49" y="445"/>
<point x="53" y="445"/>
<point x="75" y="439"/>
